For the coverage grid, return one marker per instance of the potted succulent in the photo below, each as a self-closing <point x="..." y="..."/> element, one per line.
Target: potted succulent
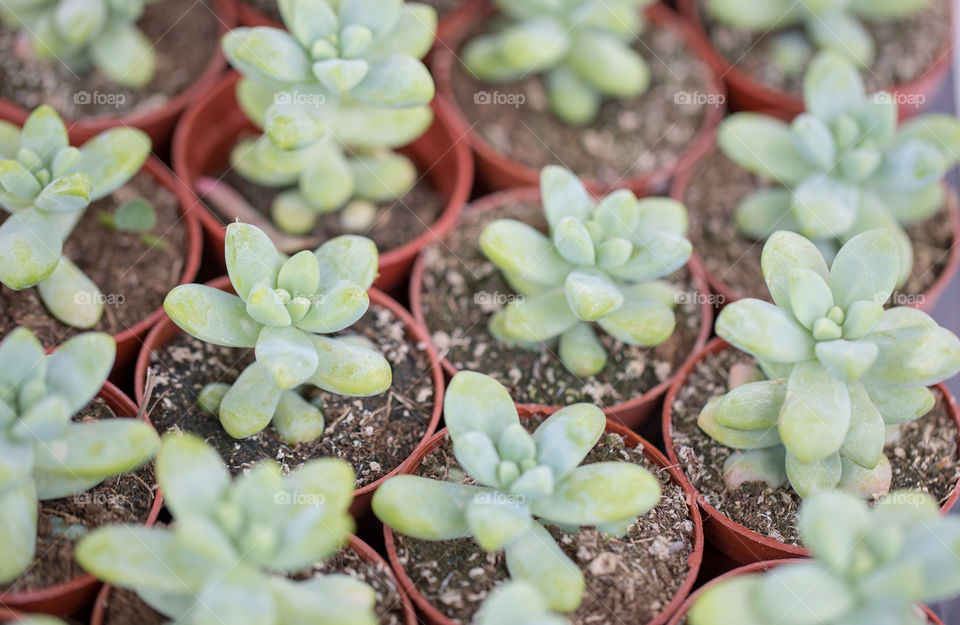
<point x="825" y="381"/>
<point x="589" y="85"/>
<point x="516" y="490"/>
<point x="61" y="445"/>
<point x="103" y="63"/>
<point x="762" y="48"/>
<point x="315" y="373"/>
<point x="837" y="169"/>
<point x="601" y="309"/>
<point x="335" y="100"/>
<point x="867" y="565"/>
<point x="96" y="229"/>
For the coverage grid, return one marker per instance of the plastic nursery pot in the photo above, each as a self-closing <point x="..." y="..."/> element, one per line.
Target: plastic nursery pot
<point x="434" y="616"/>
<point x="362" y="549"/>
<point x="926" y="300"/>
<point x="501" y="172"/>
<point x="157" y="122"/>
<point x="734" y="540"/>
<point x="749" y="94"/>
<point x="757" y="567"/>
<point x="166" y="331"/>
<point x="630" y="413"/>
<point x="75" y="595"/>
<point x="211" y="127"/>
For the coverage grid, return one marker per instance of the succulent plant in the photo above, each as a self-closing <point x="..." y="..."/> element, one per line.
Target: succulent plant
<point x="45" y="185"/>
<point x="227" y="556"/>
<point x="87" y="33"/>
<point x="516" y="603"/>
<point x="284" y="307"/>
<point x="840" y="368"/>
<point x="519" y="482"/>
<point x="333" y="96"/>
<point x="585" y="48"/>
<point x="843" y="166"/>
<point x="869" y="566"/>
<point x="598" y="264"/>
<point x="834" y="25"/>
<point x="35" y="619"/>
<point x="45" y="455"/>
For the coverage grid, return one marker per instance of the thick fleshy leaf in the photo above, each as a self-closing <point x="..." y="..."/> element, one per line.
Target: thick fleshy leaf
<point x="45" y="419"/>
<point x="516" y="603"/>
<point x="866" y="268"/>
<point x="816" y="413"/>
<point x="765" y="211"/>
<point x="831" y="86"/>
<point x="864" y="441"/>
<point x="824" y="206"/>
<point x="383" y="176"/>
<point x="581" y="351"/>
<point x="750" y="16"/>
<point x="249" y="405"/>
<point x="17" y="181"/>
<point x="425" y="509"/>
<point x="618" y="214"/>
<point x="737" y="439"/>
<point x="573" y="242"/>
<point x="297" y="420"/>
<point x="474" y="401"/>
<point x="251" y="258"/>
<point x="478" y="456"/>
<point x="600" y="493"/>
<point x="640" y="321"/>
<point x="369" y="126"/>
<point x="99" y="449"/>
<point x="112" y="158"/>
<point x="238" y="596"/>
<point x="565" y="438"/>
<point x="535" y="318"/>
<point x="830" y="524"/>
<point x="192" y="475"/>
<point x="563" y="195"/>
<point x="609" y="65"/>
<point x="591" y="296"/>
<point x="293" y="126"/>
<point x="340" y="75"/>
<point x="940" y="130"/>
<point x="533" y="46"/>
<point x="813" y="138"/>
<point x="765" y="331"/>
<point x="800" y="593"/>
<point x="755" y="465"/>
<point x="861" y="317"/>
<point x="846" y="360"/>
<point x="865" y="483"/>
<point x="212" y="315"/>
<point x="728" y="602"/>
<point x="71" y="296"/>
<point x="323" y="600"/>
<point x="764" y="146"/>
<point x="66" y="194"/>
<point x="30" y="247"/>
<point x="349" y="369"/>
<point x="522" y="250"/>
<point x="783" y="252"/>
<point x="18" y="529"/>
<point x="124" y="54"/>
<point x="44" y="132"/>
<point x="413" y="34"/>
<point x="658" y="255"/>
<point x="915" y="355"/>
<point x="810" y="296"/>
<point x="286" y="356"/>
<point x="133" y="555"/>
<point x="535" y="558"/>
<point x="79" y="367"/>
<point x="396" y="82"/>
<point x="752" y="406"/>
<point x="347" y="257"/>
<point x="267" y="54"/>
<point x="843" y="33"/>
<point x="899" y="405"/>
<point x="495" y="524"/>
<point x="23" y="359"/>
<point x="300" y="274"/>
<point x="812" y="477"/>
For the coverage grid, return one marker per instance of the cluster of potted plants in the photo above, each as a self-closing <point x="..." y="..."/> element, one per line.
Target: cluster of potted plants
<point x="482" y="433"/>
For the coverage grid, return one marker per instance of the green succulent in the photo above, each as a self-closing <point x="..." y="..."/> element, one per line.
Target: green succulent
<point x="35" y="619"/>
<point x="516" y="603"/>
<point x="46" y="185"/>
<point x="585" y="48"/>
<point x="843" y="166"/>
<point x="599" y="264"/>
<point x="525" y="481"/>
<point x="43" y="453"/>
<point x="869" y="566"/>
<point x="333" y="96"/>
<point x="284" y="307"/>
<point x="227" y="556"/>
<point x="88" y="33"/>
<point x="834" y="25"/>
<point x="840" y="368"/>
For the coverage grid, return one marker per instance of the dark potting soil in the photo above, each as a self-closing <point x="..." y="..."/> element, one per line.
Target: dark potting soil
<point x="397" y="222"/>
<point x="133" y="276"/>
<point x="61" y="523"/>
<point x="124" y="607"/>
<point x="924" y="458"/>
<point x="184" y="36"/>
<point x="629" y="579"/>
<point x="716" y="187"/>
<point x="905" y="49"/>
<point x="630" y="137"/>
<point x="374" y="434"/>
<point x="462" y="289"/>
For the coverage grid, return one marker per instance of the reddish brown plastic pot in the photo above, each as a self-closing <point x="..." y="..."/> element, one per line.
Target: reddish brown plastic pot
<point x="157" y="122"/>
<point x="433" y="616"/>
<point x="758" y="567"/>
<point x="630" y="413"/>
<point x="165" y="331"/>
<point x="75" y="595"/>
<point x="501" y="172"/>
<point x="361" y="548"/>
<point x="210" y="129"/>
<point x="749" y="94"/>
<point x="737" y="542"/>
<point x="925" y="301"/>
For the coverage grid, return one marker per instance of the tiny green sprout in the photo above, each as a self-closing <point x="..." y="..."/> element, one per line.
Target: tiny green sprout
<point x="46" y="185"/>
<point x="843" y="166"/>
<point x="868" y="566"/>
<point x="584" y="47"/>
<point x="333" y="96"/>
<point x="600" y="263"/>
<point x="834" y="25"/>
<point x="516" y="603"/>
<point x="43" y="453"/>
<point x="227" y="556"/>
<point x="135" y="216"/>
<point x="102" y="34"/>
<point x="840" y="368"/>
<point x="523" y="482"/>
<point x="284" y="307"/>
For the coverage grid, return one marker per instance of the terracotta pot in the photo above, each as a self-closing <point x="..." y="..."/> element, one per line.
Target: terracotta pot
<point x="737" y="542"/>
<point x="211" y="127"/>
<point x="433" y="616"/>
<point x="925" y="302"/>
<point x="75" y="595"/>
<point x="501" y="172"/>
<point x="156" y="122"/>
<point x="165" y="331"/>
<point x="749" y="94"/>
<point x="758" y="567"/>
<point x="362" y="549"/>
<point x="629" y="413"/>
